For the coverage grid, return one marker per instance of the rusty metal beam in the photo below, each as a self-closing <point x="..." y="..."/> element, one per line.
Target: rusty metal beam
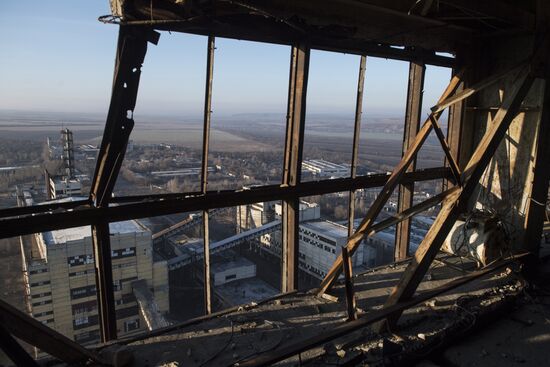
<point x="39" y="335"/>
<point x="356" y="135"/>
<point x="14" y="351"/>
<point x="294" y="143"/>
<point x="180" y="203"/>
<point x="413" y="112"/>
<point x="211" y="46"/>
<point x="307" y="188"/>
<point x="271" y="23"/>
<point x="131" y="50"/>
<point x="290" y="248"/>
<point x="204" y="172"/>
<point x="104" y="280"/>
<point x="43" y="208"/>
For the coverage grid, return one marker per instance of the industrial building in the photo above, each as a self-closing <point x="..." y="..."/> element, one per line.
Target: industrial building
<point x="60" y="279"/>
<point x="61" y="187"/>
<point x="474" y="291"/>
<point x="65" y="184"/>
<point x="321" y="168"/>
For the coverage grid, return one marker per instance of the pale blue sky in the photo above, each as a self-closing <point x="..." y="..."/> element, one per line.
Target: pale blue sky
<point x="56" y="56"/>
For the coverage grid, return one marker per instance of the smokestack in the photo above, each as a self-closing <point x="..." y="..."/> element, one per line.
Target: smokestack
<point x="68" y="152"/>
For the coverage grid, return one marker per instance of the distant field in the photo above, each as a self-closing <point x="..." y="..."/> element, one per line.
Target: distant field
<point x="349" y="135"/>
<point x="189" y="137"/>
<point x="39" y="134"/>
<point x="37" y="127"/>
<point x="192" y="138"/>
<point x="381" y="138"/>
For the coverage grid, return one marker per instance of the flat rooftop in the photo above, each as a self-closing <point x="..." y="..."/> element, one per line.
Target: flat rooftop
<point x="245" y="291"/>
<point x="223" y="263"/>
<point x="78" y="233"/>
<point x="331" y="229"/>
<point x="63" y="200"/>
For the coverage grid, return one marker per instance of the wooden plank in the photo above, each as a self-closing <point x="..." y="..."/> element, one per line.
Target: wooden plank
<point x="42" y="208"/>
<point x="454" y="133"/>
<point x="450" y="211"/>
<point x="450" y="159"/>
<point x="413" y="111"/>
<point x="384" y="195"/>
<point x="350" y="294"/>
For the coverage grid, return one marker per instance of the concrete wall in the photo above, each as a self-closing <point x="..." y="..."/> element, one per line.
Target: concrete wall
<point x="160" y="286"/>
<point x="506" y="185"/>
<point x="234" y="273"/>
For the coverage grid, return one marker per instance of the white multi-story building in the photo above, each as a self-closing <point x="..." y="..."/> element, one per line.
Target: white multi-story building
<point x="307" y="211"/>
<point x="59" y="277"/>
<point x="322" y="168"/>
<point x="320" y="243"/>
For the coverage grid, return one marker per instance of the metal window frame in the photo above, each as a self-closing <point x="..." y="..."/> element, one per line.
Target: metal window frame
<point x="101" y="209"/>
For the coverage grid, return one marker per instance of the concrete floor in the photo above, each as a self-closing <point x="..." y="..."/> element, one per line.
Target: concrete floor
<point x="229" y="339"/>
<point x="521" y="337"/>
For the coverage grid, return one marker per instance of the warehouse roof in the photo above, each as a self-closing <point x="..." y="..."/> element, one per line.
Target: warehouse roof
<point x="330" y="229"/>
<point x="78" y="233"/>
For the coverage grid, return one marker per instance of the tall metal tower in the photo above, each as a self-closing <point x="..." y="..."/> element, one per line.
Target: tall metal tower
<point x="68" y="152"/>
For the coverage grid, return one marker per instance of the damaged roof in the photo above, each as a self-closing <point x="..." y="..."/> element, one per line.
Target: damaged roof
<point x="424" y="28"/>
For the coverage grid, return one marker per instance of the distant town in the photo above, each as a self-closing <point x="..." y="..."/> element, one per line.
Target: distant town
<point x="157" y="261"/>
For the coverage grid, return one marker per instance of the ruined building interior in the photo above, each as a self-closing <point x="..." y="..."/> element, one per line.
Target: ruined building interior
<point x="474" y="291"/>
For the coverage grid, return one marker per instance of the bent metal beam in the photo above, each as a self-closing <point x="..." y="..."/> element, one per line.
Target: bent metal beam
<point x="131" y="50"/>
